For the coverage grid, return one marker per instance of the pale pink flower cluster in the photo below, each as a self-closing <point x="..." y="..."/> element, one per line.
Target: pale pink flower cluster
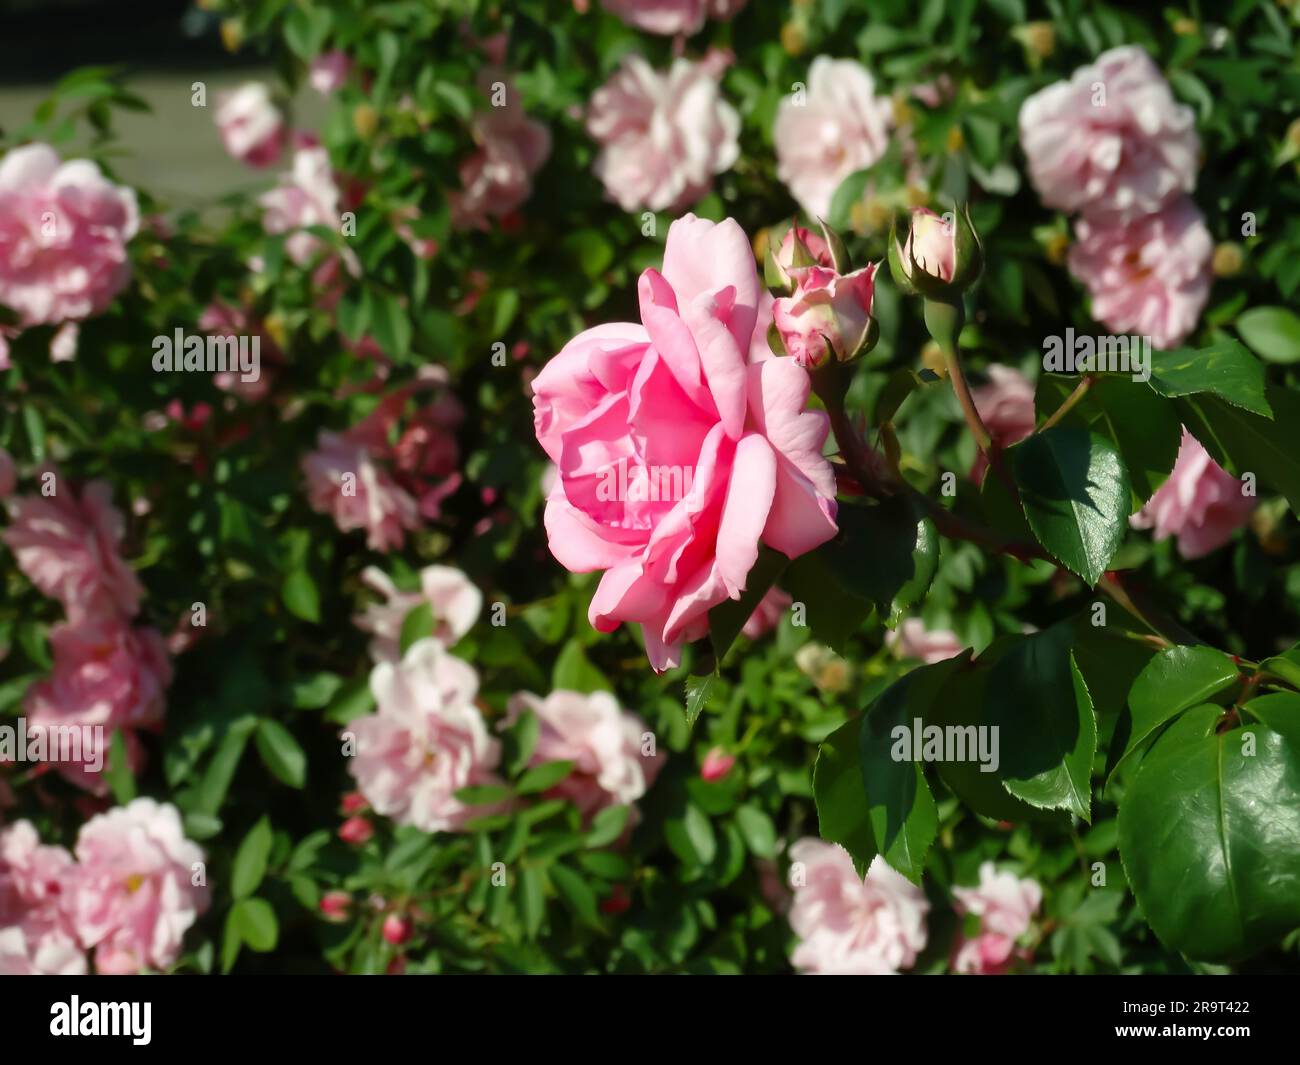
<point x="672" y="17"/>
<point x="364" y="481"/>
<point x="605" y="743"/>
<point x="1201" y="503"/>
<point x="134" y="889"/>
<point x="849" y="926"/>
<point x="1114" y="145"/>
<point x="251" y="126"/>
<point x="106" y="671"/>
<point x="64" y="228"/>
<point x="306" y="196"/>
<point x="425" y="741"/>
<point x="833" y="126"/>
<point x="1005" y="905"/>
<point x="453" y="598"/>
<point x="663" y="136"/>
<point x="1006" y="407"/>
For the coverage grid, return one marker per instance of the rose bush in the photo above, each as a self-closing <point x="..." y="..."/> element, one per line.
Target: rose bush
<point x="656" y="534"/>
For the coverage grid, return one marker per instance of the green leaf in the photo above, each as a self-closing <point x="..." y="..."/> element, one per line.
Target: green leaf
<point x="483" y="795"/>
<point x="544" y="776"/>
<point x="833" y="613"/>
<point x="901" y="384"/>
<point x="256" y="923"/>
<point x="1047" y="731"/>
<point x="532" y="898"/>
<point x="118" y="772"/>
<point x="1273" y="333"/>
<point x="250" y="860"/>
<point x="728" y="618"/>
<point x="1285" y="666"/>
<point x="842" y="815"/>
<point x="1226" y="370"/>
<point x="1173" y="681"/>
<point x="221" y="769"/>
<point x="699" y="690"/>
<point x="885" y="554"/>
<point x="417" y="624"/>
<point x="300" y="596"/>
<point x="281" y="753"/>
<point x="607" y="826"/>
<point x="904" y="819"/>
<point x="1075" y="493"/>
<point x="1246" y="443"/>
<point x="1208" y="834"/>
<point x="757" y="829"/>
<point x="691" y="836"/>
<point x="576" y="893"/>
<point x="390" y="324"/>
<point x="573" y="671"/>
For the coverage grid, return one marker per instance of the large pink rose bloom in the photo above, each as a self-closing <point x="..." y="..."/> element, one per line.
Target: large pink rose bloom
<point x="68" y="547"/>
<point x="662" y="137"/>
<point x="848" y="926"/>
<point x="1201" y="503"/>
<point x="425" y="742"/>
<point x="498" y="177"/>
<point x="133" y="895"/>
<point x="1121" y="151"/>
<point x="452" y="597"/>
<point x="1006" y="407"/>
<point x="1150" y="277"/>
<point x="344" y="481"/>
<point x="251" y="126"/>
<point x="837" y="126"/>
<point x="1005" y="906"/>
<point x="602" y="740"/>
<point x="38" y="934"/>
<point x="692" y="394"/>
<point x="670" y="17"/>
<point x="63" y="234"/>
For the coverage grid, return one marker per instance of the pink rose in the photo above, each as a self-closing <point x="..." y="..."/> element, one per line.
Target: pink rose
<point x="691" y="394"/>
<point x="133" y="893"/>
<point x="328" y="71"/>
<point x="1149" y="277"/>
<point x="1005" y="905"/>
<point x="801" y="247"/>
<point x="307" y="196"/>
<point x="454" y="599"/>
<point x="671" y="17"/>
<point x="251" y="126"/>
<point x="1201" y="503"/>
<point x="231" y="322"/>
<point x="839" y="125"/>
<point x="602" y="740"/>
<point x="932" y="243"/>
<point x="425" y="742"/>
<point x="37" y="934"/>
<point x="498" y="177"/>
<point x="717" y="764"/>
<point x="1006" y="407"/>
<point x="68" y="547"/>
<point x="105" y="673"/>
<point x="828" y="313"/>
<point x="850" y="926"/>
<point x="344" y="481"/>
<point x="663" y="137"/>
<point x="913" y="640"/>
<point x="8" y="475"/>
<point x="63" y="234"/>
<point x="1112" y="141"/>
<point x="768" y="612"/>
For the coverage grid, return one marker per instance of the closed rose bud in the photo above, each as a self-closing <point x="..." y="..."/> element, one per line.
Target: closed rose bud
<point x="356" y="830"/>
<point x="397" y="929"/>
<point x="939" y="257"/>
<point x="717" y="764"/>
<point x="335" y="904"/>
<point x="353" y="803"/>
<point x="829" y="314"/>
<point x="799" y="247"/>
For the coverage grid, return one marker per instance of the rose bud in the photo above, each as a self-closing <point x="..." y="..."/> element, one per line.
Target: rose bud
<point x="335" y="904"/>
<point x="717" y="764"/>
<point x="828" y="313"/>
<point x="940" y="258"/>
<point x="356" y="830"/>
<point x="397" y="929"/>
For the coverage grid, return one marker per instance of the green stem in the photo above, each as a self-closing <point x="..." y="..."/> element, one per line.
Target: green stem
<point x="1069" y="403"/>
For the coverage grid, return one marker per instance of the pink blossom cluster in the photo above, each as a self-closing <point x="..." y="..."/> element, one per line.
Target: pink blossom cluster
<point x="132" y="888"/>
<point x="1113" y="145"/>
<point x="1005" y="906"/>
<point x="108" y="672"/>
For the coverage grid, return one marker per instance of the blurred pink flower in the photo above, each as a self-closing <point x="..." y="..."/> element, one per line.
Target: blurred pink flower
<point x="63" y="345"/>
<point x="600" y="738"/>
<point x="768" y="612"/>
<point x="913" y="640"/>
<point x="328" y="71"/>
<point x="225" y="320"/>
<point x="671" y="17"/>
<point x="68" y="548"/>
<point x="694" y="388"/>
<point x="307" y="196"/>
<point x="1005" y="905"/>
<point x="251" y="126"/>
<point x="848" y="926"/>
<point x="1006" y="406"/>
<point x="425" y="742"/>
<point x="717" y="764"/>
<point x="134" y="892"/>
<point x="344" y="481"/>
<point x="835" y="126"/>
<point x="39" y="934"/>
<point x="455" y="601"/>
<point x="498" y="177"/>
<point x="8" y="475"/>
<point x="1150" y="276"/>
<point x="662" y="137"/>
<point x="1112" y="141"/>
<point x="1201" y="503"/>
<point x="63" y="234"/>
